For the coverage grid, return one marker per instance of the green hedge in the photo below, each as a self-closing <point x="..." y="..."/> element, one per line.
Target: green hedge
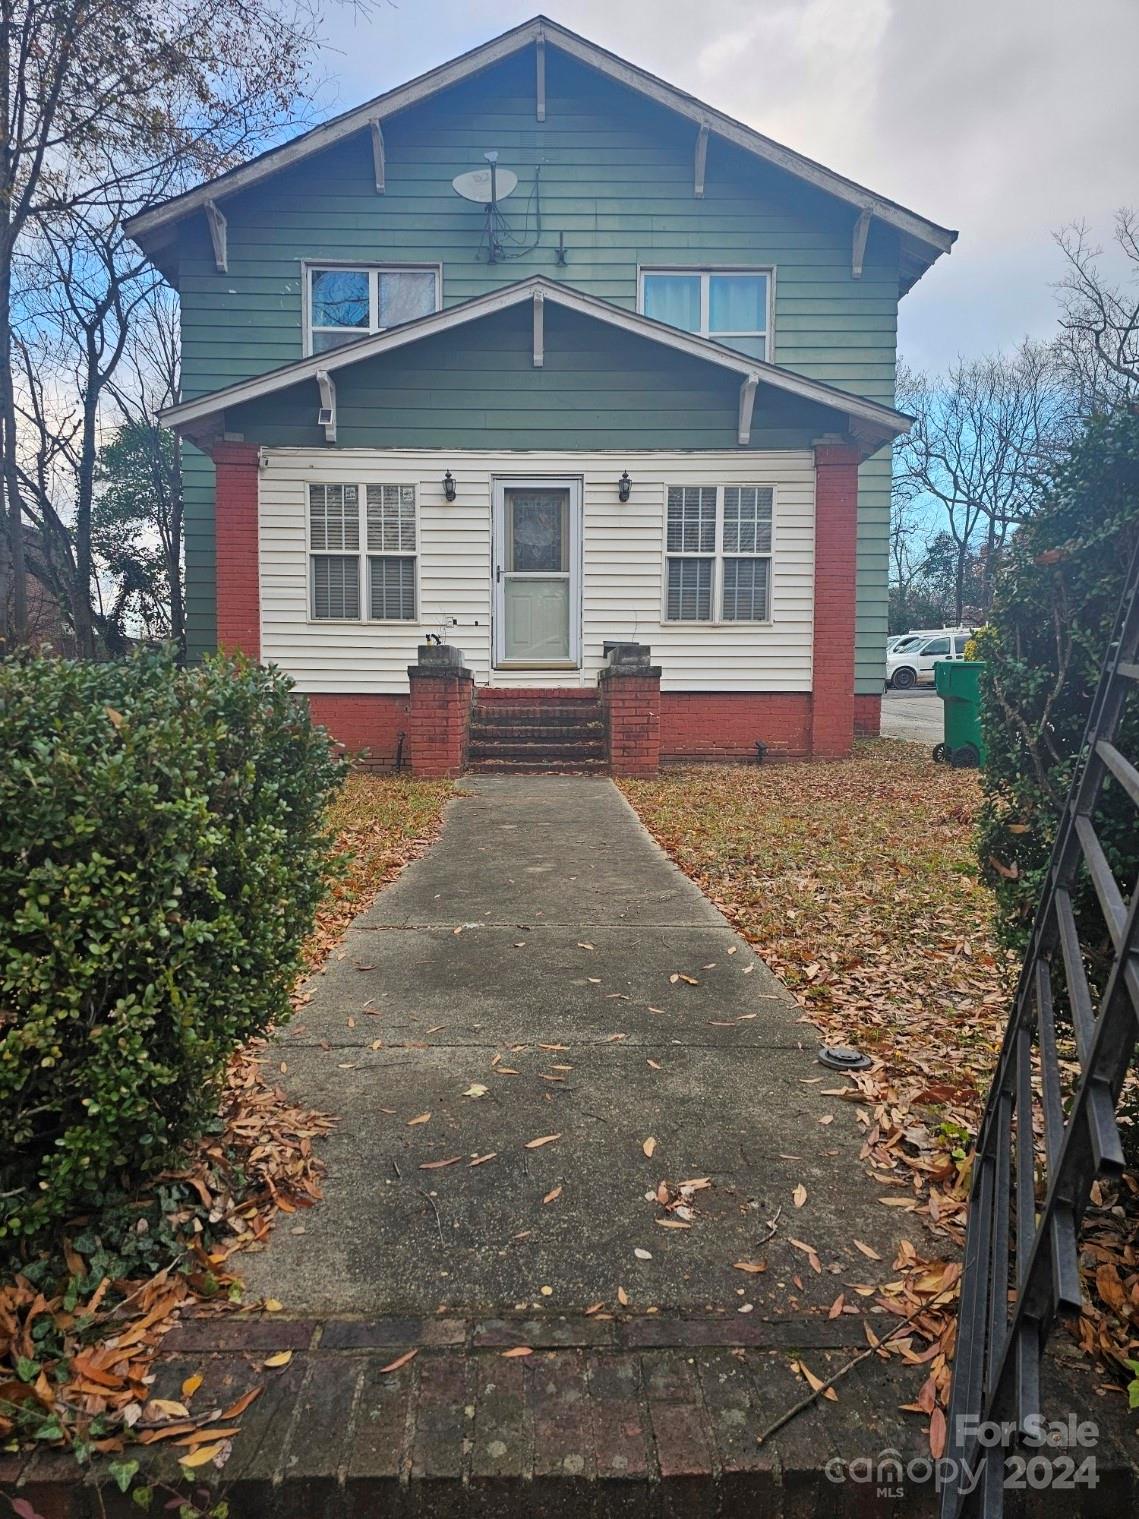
<point x="1053" y="613"/>
<point x="163" y="848"/>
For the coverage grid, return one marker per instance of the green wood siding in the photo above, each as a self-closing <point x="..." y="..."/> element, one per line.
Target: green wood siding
<point x="476" y="387"/>
<point x="616" y="179"/>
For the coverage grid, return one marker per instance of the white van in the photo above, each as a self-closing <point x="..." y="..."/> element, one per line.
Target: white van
<point x="911" y="663"/>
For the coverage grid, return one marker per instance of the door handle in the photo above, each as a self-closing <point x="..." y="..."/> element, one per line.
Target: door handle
<point x="498" y="572"/>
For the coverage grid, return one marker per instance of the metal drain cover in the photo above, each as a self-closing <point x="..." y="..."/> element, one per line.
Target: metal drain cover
<point x="841" y="1059"/>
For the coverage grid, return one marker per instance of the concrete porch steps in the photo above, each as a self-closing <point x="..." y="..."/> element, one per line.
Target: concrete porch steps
<point x="531" y="731"/>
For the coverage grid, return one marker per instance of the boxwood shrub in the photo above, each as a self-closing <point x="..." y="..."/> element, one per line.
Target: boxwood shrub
<point x="163" y="848"/>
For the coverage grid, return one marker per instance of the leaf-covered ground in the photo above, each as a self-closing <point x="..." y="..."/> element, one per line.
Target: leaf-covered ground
<point x="857" y="883"/>
<point x="78" y="1335"/>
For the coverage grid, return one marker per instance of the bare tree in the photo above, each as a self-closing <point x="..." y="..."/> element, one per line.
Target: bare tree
<point x="984" y="438"/>
<point x="141" y="468"/>
<point x="1100" y="320"/>
<point x="908" y="533"/>
<point x="106" y="105"/>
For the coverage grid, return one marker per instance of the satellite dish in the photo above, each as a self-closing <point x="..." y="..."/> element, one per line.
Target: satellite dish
<point x="476" y="185"/>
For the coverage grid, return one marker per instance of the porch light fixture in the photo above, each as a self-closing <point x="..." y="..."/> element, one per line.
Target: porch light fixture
<point x="624" y="486"/>
<point x="449" y="486"/>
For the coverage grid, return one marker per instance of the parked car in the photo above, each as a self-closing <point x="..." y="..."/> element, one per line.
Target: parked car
<point x="911" y="663"/>
<point x="910" y="639"/>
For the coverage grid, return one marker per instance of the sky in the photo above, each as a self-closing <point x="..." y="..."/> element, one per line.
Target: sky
<point x="1004" y="119"/>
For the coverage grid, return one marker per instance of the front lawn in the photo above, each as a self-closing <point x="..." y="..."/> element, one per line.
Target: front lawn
<point x="857" y="882"/>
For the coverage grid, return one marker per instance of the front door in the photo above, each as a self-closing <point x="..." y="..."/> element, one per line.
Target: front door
<point x="537" y="574"/>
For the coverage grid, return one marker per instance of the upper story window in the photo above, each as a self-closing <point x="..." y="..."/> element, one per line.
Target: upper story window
<point x="348" y="301"/>
<point x="729" y="305"/>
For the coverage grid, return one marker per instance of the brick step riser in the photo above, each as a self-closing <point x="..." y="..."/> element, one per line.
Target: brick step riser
<point x="502" y="695"/>
<point x="537" y="767"/>
<point x="491" y="716"/>
<point x="538" y="753"/>
<point x="558" y="733"/>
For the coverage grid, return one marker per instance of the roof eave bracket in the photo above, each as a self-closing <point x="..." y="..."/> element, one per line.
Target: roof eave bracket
<point x="219" y="229"/>
<point x="539" y="329"/>
<point x="858" y="243"/>
<point x="379" y="156"/>
<point x="540" y="76"/>
<point x="326" y="417"/>
<point x="747" y="406"/>
<point x="700" y="161"/>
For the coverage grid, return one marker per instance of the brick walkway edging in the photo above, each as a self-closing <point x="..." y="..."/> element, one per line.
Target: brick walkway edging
<point x="641" y="1416"/>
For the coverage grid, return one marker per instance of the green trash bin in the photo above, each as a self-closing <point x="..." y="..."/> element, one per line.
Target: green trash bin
<point x="958" y="683"/>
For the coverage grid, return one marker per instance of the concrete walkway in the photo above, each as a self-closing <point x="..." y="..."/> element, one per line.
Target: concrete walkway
<point x="533" y="952"/>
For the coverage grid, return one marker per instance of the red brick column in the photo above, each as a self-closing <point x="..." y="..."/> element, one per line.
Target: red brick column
<point x="836" y="549"/>
<point x="440" y="719"/>
<point x="235" y="548"/>
<point x="630" y="698"/>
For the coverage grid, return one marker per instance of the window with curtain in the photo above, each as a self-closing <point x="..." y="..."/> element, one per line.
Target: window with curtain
<point x="362" y="535"/>
<point x="718" y="545"/>
<point x="728" y="305"/>
<point x="349" y="302"/>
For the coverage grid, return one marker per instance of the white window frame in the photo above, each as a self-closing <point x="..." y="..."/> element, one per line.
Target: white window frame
<point x="718" y="556"/>
<point x="705" y="272"/>
<point x="363" y="555"/>
<point x="373" y="271"/>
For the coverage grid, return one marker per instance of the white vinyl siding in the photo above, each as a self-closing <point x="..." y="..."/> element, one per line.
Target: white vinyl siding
<point x="623" y="567"/>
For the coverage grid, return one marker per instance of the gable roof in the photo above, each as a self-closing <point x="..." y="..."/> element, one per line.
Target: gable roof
<point x="871" y="423"/>
<point x="925" y="239"/>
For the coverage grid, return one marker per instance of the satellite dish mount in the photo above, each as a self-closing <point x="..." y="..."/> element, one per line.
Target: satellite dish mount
<point x="488" y="187"/>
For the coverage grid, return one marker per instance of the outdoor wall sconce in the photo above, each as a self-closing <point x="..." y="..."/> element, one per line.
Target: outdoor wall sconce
<point x="449" y="486"/>
<point x="624" y="486"/>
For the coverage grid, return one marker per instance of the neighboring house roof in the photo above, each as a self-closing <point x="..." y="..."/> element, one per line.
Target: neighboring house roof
<point x="923" y="240"/>
<point x="870" y="422"/>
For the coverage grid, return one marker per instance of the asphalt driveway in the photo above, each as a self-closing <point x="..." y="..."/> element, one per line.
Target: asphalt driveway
<point x="915" y="715"/>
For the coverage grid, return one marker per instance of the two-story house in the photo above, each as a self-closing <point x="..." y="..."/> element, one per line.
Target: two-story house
<point x="537" y="354"/>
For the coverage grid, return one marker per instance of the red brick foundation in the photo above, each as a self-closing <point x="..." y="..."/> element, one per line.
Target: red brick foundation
<point x="724" y="725"/>
<point x="368" y="725"/>
<point x="836" y="552"/>
<point x="868" y="716"/>
<point x="236" y="563"/>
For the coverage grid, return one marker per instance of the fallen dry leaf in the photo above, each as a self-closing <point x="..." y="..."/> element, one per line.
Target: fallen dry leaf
<point x="649" y="1147"/>
<point x="544" y="1139"/>
<point x="202" y="1456"/>
<point x="400" y="1360"/>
